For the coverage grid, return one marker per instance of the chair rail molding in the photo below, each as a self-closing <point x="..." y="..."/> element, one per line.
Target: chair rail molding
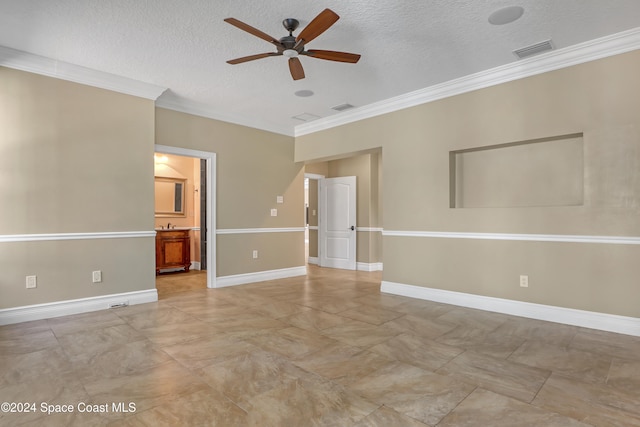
<point x="620" y="240"/>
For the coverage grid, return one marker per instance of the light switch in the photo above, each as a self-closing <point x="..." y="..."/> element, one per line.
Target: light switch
<point x="274" y="212"/>
<point x="32" y="282"/>
<point x="280" y="199"/>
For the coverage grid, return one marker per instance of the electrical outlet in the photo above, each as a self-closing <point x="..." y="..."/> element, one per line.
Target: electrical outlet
<point x="255" y="254"/>
<point x="97" y="276"/>
<point x="524" y="281"/>
<point x="279" y="199"/>
<point x="274" y="212"/>
<point x="32" y="282"/>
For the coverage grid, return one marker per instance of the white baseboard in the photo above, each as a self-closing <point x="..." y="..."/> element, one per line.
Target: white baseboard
<point x="369" y="266"/>
<point x="361" y="266"/>
<point x="260" y="276"/>
<point x="569" y="316"/>
<point x="76" y="306"/>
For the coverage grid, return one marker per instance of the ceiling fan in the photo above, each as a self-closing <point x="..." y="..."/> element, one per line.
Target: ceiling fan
<point x="292" y="46"/>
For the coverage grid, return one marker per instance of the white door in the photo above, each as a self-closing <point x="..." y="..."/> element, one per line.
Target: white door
<point x="337" y="222"/>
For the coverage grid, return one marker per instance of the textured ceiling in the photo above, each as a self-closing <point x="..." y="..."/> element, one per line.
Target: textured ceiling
<point x="405" y="46"/>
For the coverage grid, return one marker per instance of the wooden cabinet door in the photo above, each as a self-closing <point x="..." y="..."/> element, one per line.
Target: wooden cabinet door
<point x="173" y="249"/>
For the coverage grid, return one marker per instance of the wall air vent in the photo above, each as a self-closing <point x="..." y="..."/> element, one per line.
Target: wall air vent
<point x="342" y="107"/>
<point x="534" y="49"/>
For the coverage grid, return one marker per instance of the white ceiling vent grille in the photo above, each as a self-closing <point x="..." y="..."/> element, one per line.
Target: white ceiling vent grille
<point x="306" y="117"/>
<point x="534" y="49"/>
<point x="342" y="107"/>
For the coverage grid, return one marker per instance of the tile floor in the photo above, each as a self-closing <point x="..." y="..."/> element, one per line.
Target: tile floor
<point x="324" y="350"/>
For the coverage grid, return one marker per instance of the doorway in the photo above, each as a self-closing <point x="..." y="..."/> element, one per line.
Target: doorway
<point x="206" y="192"/>
<point x="367" y="168"/>
<point x="330" y="221"/>
<point x="311" y="217"/>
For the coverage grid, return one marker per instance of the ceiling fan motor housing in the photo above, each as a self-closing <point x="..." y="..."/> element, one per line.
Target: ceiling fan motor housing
<point x="289" y="42"/>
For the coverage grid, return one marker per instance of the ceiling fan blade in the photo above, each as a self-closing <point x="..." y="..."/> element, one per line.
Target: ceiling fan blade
<point x="252" y="57"/>
<point x="318" y="25"/>
<point x="295" y="66"/>
<point x="331" y="55"/>
<point x="251" y="30"/>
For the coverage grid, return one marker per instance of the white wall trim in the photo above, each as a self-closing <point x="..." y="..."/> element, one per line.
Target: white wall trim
<point x="620" y="240"/>
<point x="313" y="176"/>
<point x="260" y="276"/>
<point x="83" y="305"/>
<point x="31" y="63"/>
<point x="259" y="230"/>
<point x="369" y="266"/>
<point x="75" y="236"/>
<point x="568" y="316"/>
<point x="611" y="45"/>
<point x="363" y="229"/>
<point x="360" y="266"/>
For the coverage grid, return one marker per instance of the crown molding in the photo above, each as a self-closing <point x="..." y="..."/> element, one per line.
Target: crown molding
<point x="198" y="109"/>
<point x="24" y="61"/>
<point x="611" y="45"/>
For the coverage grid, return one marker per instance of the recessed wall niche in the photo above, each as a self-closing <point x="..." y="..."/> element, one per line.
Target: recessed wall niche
<point x="541" y="172"/>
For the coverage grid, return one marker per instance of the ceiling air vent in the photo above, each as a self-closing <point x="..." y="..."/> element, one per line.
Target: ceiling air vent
<point x="342" y="107"/>
<point x="533" y="49"/>
<point x="306" y="117"/>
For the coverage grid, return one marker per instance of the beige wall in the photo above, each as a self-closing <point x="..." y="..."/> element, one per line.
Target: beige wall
<point x="275" y="250"/>
<point x="79" y="159"/>
<point x="600" y="99"/>
<point x="73" y="159"/>
<point x="253" y="168"/>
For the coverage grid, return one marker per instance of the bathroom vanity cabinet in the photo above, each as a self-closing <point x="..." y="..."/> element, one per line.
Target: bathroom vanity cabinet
<point x="173" y="249"/>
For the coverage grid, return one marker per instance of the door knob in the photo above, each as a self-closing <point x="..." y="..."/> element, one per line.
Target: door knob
<point x="353" y="228"/>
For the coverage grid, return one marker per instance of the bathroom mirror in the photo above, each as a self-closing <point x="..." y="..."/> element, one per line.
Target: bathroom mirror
<point x="170" y="197"/>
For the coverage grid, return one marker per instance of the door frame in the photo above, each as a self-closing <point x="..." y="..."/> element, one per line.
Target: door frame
<point x="210" y="157"/>
<point x="317" y="177"/>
